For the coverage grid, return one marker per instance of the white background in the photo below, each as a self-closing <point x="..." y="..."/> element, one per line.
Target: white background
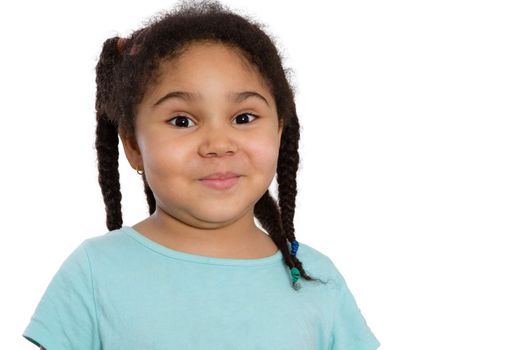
<point x="412" y="155"/>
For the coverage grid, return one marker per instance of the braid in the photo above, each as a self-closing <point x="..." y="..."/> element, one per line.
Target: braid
<point x="107" y="135"/>
<point x="106" y="141"/>
<point x="286" y="176"/>
<point x="287" y="166"/>
<point x="108" y="178"/>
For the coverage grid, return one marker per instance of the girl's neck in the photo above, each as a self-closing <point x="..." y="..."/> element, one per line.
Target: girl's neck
<point x="239" y="240"/>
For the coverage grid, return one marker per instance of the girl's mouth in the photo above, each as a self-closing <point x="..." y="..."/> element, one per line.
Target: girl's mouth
<point x="220" y="184"/>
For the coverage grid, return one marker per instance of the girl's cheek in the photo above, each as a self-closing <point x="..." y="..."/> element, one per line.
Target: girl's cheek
<point x="265" y="153"/>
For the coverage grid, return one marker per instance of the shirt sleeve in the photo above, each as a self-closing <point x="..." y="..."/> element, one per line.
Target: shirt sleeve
<point x="350" y="330"/>
<point x="65" y="318"/>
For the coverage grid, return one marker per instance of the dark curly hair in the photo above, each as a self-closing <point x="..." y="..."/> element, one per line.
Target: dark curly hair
<point x="127" y="66"/>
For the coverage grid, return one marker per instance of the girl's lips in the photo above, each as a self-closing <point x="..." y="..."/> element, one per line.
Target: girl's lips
<point x="220" y="184"/>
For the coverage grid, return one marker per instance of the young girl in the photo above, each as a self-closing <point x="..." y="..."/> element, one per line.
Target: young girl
<point x="206" y="115"/>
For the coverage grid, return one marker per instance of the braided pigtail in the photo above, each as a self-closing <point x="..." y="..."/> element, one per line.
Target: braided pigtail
<point x="287" y="166"/>
<point x="106" y="141"/>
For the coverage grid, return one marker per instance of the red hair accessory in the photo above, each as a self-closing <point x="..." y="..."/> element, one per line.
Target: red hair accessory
<point x="121" y="43"/>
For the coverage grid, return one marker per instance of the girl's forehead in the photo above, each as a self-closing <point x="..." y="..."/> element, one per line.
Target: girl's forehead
<point x="200" y="61"/>
<point x="207" y="53"/>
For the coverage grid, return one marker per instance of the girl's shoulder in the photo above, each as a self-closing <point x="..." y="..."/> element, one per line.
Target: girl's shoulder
<point x="308" y="252"/>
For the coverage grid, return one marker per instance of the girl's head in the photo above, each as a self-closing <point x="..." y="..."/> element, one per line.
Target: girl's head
<point x="200" y="90"/>
<point x="221" y="117"/>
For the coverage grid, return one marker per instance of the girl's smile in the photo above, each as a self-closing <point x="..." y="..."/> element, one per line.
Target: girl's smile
<point x="221" y="183"/>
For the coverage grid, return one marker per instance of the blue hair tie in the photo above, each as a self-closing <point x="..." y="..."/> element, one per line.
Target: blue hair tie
<point x="295" y="247"/>
<point x="294" y="271"/>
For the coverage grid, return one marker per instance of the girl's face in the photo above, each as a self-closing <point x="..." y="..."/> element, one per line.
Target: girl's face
<point x="206" y="130"/>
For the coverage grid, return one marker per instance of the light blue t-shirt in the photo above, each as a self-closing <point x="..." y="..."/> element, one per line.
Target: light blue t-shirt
<point x="122" y="290"/>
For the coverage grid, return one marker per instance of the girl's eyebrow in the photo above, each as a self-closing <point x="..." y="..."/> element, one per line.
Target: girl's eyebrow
<point x="188" y="96"/>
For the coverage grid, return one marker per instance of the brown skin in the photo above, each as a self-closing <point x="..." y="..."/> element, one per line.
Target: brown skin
<point x="189" y="216"/>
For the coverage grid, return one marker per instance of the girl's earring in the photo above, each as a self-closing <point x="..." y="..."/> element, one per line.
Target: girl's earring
<point x="139" y="171"/>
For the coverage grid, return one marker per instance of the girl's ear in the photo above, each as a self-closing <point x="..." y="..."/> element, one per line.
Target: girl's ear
<point x="131" y="150"/>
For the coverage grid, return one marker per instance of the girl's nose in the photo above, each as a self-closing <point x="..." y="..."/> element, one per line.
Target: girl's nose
<point x="217" y="141"/>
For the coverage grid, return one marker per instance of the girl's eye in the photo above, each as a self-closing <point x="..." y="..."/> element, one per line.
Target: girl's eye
<point x="183" y="123"/>
<point x="183" y="119"/>
<point x="243" y="114"/>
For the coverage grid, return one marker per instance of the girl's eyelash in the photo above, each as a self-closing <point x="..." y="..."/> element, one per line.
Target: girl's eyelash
<point x="184" y="116"/>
